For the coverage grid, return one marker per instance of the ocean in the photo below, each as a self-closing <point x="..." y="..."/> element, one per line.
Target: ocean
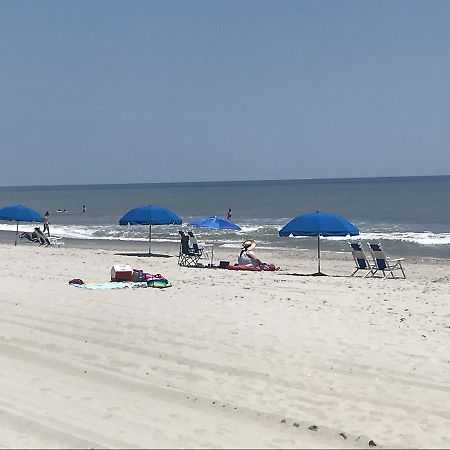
<point x="409" y="215"/>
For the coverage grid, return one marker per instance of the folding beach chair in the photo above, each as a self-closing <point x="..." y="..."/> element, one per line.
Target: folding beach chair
<point x="195" y="247"/>
<point x="381" y="263"/>
<point x="30" y="237"/>
<point x="361" y="261"/>
<point x="47" y="240"/>
<point x="187" y="257"/>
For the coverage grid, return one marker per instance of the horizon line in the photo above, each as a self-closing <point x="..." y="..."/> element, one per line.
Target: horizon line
<point x="219" y="181"/>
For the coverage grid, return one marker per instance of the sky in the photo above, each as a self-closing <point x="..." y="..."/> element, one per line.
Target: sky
<point x="165" y="91"/>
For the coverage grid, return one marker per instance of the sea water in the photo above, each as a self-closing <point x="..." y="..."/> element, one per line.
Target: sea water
<point x="409" y="215"/>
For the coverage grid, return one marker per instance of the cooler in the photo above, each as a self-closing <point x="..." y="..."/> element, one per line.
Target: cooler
<point x="121" y="272"/>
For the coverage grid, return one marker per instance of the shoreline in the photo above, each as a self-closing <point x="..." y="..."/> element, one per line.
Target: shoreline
<point x="228" y="253"/>
<point x="7" y="237"/>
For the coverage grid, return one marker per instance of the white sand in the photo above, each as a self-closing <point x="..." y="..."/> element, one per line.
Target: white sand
<point x="222" y="358"/>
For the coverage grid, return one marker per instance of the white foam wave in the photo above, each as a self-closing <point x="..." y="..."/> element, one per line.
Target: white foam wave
<point x="266" y="235"/>
<point x="252" y="228"/>
<point x="424" y="238"/>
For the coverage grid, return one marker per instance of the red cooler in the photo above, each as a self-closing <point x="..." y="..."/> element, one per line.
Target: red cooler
<point x="121" y="272"/>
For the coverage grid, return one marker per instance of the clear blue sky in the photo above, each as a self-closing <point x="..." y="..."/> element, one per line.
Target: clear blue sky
<point x="155" y="91"/>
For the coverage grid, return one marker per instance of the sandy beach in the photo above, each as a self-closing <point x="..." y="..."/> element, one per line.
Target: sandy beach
<point x="222" y="358"/>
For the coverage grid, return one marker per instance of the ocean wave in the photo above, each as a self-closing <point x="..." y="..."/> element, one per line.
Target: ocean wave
<point x="425" y="238"/>
<point x="420" y="238"/>
<point x="266" y="235"/>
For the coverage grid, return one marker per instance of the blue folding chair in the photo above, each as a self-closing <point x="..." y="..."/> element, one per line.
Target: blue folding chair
<point x="187" y="257"/>
<point x="383" y="264"/>
<point x="361" y="261"/>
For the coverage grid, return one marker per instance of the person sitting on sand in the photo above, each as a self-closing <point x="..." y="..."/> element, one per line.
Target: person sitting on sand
<point x="32" y="237"/>
<point x="247" y="257"/>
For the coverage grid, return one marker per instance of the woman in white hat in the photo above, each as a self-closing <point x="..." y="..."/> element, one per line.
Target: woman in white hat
<point x="247" y="256"/>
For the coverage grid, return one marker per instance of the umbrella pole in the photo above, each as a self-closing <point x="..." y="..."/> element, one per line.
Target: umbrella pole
<point x="17" y="232"/>
<point x="150" y="239"/>
<point x="212" y="253"/>
<point x="318" y="253"/>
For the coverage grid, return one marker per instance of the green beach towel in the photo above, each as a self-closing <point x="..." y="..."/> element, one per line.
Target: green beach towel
<point x="111" y="285"/>
<point x="158" y="283"/>
<point x="155" y="283"/>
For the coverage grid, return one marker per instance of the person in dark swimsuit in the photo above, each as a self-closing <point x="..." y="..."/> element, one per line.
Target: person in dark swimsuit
<point x="46" y="227"/>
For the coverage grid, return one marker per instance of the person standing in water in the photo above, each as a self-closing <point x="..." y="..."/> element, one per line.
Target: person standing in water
<point x="229" y="214"/>
<point x="84" y="208"/>
<point x="46" y="224"/>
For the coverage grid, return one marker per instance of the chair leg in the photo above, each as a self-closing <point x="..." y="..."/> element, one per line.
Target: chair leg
<point x="185" y="260"/>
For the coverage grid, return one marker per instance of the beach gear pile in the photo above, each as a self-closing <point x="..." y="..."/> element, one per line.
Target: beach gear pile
<point x="123" y="276"/>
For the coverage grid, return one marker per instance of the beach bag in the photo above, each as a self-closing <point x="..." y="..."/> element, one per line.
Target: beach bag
<point x="138" y="275"/>
<point x="157" y="281"/>
<point x="76" y="281"/>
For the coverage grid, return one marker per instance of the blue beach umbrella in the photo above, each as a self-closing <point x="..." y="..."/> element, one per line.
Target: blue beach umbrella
<point x="319" y="224"/>
<point x="19" y="213"/>
<point x="150" y="215"/>
<point x="216" y="223"/>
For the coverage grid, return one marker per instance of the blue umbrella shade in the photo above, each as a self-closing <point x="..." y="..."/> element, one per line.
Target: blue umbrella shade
<point x="215" y="222"/>
<point x="319" y="224"/>
<point x="150" y="215"/>
<point x="19" y="213"/>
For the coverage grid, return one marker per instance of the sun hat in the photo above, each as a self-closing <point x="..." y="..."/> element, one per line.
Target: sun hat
<point x="248" y="245"/>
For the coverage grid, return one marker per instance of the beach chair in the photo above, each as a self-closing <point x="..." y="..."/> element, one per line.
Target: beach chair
<point x="187" y="257"/>
<point x="31" y="237"/>
<point x="42" y="239"/>
<point x="361" y="261"/>
<point x="193" y="243"/>
<point x="383" y="264"/>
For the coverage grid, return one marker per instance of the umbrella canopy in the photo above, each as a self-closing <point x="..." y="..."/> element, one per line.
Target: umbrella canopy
<point x="150" y="215"/>
<point x="319" y="224"/>
<point x="215" y="222"/>
<point x="19" y="213"/>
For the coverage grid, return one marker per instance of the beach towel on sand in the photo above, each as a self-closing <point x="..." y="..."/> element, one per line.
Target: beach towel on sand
<point x="154" y="281"/>
<point x="265" y="267"/>
<point x="141" y="279"/>
<point x="112" y="285"/>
